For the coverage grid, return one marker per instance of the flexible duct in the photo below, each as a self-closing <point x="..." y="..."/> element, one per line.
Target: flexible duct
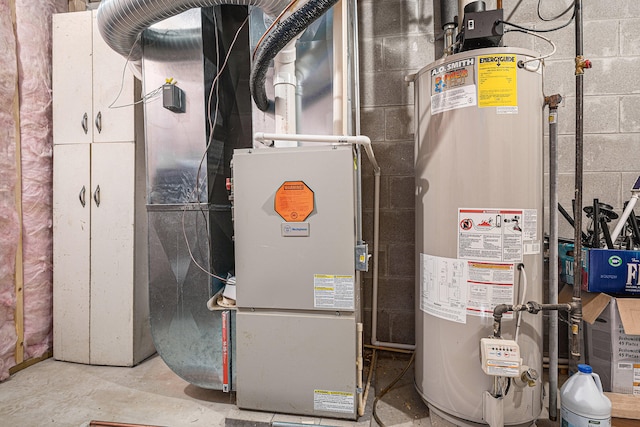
<point x="121" y="21"/>
<point x="277" y="39"/>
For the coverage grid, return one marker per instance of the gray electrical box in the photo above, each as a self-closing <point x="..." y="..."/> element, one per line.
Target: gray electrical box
<point x="297" y="296"/>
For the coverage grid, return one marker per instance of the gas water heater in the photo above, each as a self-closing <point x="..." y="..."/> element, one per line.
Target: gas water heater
<point x="479" y="210"/>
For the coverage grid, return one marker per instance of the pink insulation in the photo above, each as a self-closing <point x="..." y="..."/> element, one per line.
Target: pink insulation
<point x="34" y="59"/>
<point x="9" y="223"/>
<point x="25" y="64"/>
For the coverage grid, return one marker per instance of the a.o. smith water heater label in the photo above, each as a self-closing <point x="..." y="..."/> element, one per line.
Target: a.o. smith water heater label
<point x="453" y="86"/>
<point x="333" y="401"/>
<point x="497" y="235"/>
<point x="333" y="291"/>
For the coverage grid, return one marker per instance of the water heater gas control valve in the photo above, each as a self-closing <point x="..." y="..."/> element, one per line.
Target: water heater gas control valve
<point x="500" y="357"/>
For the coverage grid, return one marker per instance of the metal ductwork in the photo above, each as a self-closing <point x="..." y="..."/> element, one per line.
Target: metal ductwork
<point x="121" y="21"/>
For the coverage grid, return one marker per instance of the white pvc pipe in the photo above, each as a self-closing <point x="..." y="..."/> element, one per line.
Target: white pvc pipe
<point x="327" y="139"/>
<point x="284" y="87"/>
<point x="623" y="218"/>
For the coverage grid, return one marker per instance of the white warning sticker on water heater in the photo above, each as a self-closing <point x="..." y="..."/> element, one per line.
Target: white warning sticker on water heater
<point x="497" y="235"/>
<point x="443" y="287"/>
<point x="490" y="284"/>
<point x="333" y="291"/>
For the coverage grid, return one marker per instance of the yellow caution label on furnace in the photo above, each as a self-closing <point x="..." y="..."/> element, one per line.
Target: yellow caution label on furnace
<point x="333" y="401"/>
<point x="333" y="291"/>
<point x="497" y="81"/>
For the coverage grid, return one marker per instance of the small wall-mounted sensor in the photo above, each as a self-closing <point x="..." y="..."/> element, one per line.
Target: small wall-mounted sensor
<point x="173" y="97"/>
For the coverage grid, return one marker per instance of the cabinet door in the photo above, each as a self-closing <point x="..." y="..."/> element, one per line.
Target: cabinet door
<point x="113" y="93"/>
<point x="112" y="253"/>
<point x="71" y="252"/>
<point x="72" y="78"/>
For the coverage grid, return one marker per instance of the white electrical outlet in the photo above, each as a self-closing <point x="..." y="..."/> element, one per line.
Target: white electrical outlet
<point x="500" y="357"/>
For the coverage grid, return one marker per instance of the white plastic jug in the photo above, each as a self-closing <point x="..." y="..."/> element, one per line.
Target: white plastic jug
<point x="583" y="404"/>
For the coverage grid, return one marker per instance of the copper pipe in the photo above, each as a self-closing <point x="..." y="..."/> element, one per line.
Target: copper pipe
<point x="113" y="424"/>
<point x="499" y="5"/>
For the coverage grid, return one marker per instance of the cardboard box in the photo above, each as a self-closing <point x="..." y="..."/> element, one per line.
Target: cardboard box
<point x="565" y="263"/>
<point x="612" y="344"/>
<point x="614" y="272"/>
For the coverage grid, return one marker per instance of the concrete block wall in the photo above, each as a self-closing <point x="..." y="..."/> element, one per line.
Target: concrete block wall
<point x="611" y="103"/>
<point x="397" y="38"/>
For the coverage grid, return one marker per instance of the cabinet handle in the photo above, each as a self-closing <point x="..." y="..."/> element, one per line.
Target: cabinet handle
<point x="85" y="118"/>
<point x="99" y="122"/>
<point x="96" y="196"/>
<point x="82" y="197"/>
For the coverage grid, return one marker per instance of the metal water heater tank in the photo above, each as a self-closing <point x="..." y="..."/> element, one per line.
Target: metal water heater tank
<point x="479" y="210"/>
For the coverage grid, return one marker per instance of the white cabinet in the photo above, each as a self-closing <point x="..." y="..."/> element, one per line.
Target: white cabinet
<point x="100" y="273"/>
<point x="89" y="79"/>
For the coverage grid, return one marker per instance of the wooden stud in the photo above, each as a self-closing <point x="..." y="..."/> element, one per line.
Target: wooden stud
<point x="19" y="275"/>
<point x="77" y="5"/>
<point x="30" y="362"/>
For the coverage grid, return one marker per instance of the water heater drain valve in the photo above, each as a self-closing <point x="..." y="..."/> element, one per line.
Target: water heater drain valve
<point x="500" y="357"/>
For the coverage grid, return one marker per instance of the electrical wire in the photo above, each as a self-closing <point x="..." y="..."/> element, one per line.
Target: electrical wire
<point x="521" y="64"/>
<point x="534" y="30"/>
<point x="143" y="98"/>
<point x="212" y="124"/>
<point x="571" y="6"/>
<point x="389" y="387"/>
<point x="153" y="94"/>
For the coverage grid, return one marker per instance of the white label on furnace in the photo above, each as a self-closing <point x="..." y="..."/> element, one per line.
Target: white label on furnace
<point x="333" y="291"/>
<point x="490" y="284"/>
<point x="636" y="379"/>
<point x="333" y="401"/>
<point x="443" y="287"/>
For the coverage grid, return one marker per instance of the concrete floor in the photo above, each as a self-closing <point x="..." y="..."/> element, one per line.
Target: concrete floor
<point x="53" y="393"/>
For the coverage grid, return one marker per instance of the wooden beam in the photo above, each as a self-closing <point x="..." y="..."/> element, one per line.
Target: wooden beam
<point x="30" y="362"/>
<point x="77" y="5"/>
<point x="19" y="276"/>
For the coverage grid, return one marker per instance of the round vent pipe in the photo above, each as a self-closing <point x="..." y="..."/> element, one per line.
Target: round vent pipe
<point x="122" y="21"/>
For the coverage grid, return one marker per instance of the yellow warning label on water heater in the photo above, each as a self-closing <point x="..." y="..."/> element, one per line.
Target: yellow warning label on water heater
<point x="497" y="81"/>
